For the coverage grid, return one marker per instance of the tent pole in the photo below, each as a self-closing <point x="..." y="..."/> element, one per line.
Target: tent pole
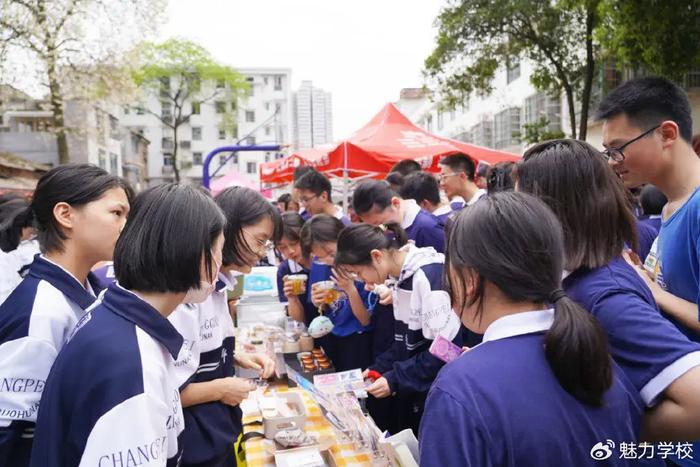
<point x="345" y="177"/>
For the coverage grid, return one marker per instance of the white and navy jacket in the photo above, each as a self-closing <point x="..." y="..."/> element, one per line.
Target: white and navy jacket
<point x="207" y="354"/>
<point x="111" y="398"/>
<point x="422" y="311"/>
<point x="36" y="320"/>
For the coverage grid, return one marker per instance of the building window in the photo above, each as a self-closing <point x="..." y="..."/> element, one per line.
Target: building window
<point x="278" y="107"/>
<point x="234" y="159"/>
<point x="250" y="141"/>
<point x="196" y="133"/>
<point x="222" y="134"/>
<point x="267" y="157"/>
<point x="507" y="127"/>
<point x="222" y="159"/>
<point x="167" y="160"/>
<point x="251" y="167"/>
<point x="102" y="159"/>
<point x="267" y="131"/>
<point x="196" y="107"/>
<point x="429" y="123"/>
<point x="113" y="167"/>
<point x="234" y="106"/>
<point x="168" y="144"/>
<point x="513" y="71"/>
<point x="197" y="158"/>
<point x="166" y="111"/>
<point x="440" y="121"/>
<point x="220" y="107"/>
<point x="250" y="116"/>
<point x="278" y="83"/>
<point x="113" y="127"/>
<point x="541" y="106"/>
<point x="481" y="134"/>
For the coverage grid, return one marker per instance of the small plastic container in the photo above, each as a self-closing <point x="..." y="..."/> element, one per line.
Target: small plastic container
<point x="271" y="425"/>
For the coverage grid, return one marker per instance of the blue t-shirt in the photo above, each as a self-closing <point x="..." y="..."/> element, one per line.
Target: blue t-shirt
<point x="344" y="321"/>
<point x="647" y="347"/>
<point x="285" y="269"/>
<point x="500" y="404"/>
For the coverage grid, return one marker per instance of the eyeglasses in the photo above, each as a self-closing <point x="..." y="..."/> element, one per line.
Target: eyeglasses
<point x="262" y="245"/>
<point x="307" y="200"/>
<point x="617" y="154"/>
<point x="442" y="177"/>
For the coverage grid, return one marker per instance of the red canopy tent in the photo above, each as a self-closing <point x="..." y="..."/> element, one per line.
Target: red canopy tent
<point x="371" y="151"/>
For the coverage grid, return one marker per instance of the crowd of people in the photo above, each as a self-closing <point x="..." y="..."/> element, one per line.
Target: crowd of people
<point x="570" y="280"/>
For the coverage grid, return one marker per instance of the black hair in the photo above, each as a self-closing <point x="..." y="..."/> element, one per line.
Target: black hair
<point x="244" y="207"/>
<point x="590" y="201"/>
<point x="321" y="228"/>
<point x="500" y="177"/>
<point x="315" y="182"/>
<point x="75" y="184"/>
<point x="356" y="242"/>
<point x="395" y="180"/>
<point x="370" y="194"/>
<point x="652" y="200"/>
<point x="285" y="198"/>
<point x="515" y="242"/>
<point x="460" y="163"/>
<point x="15" y="215"/>
<point x="406" y="167"/>
<point x="171" y="229"/>
<point x="482" y="169"/>
<point x="301" y="171"/>
<point x="647" y="102"/>
<point x="421" y="186"/>
<point x="292" y="222"/>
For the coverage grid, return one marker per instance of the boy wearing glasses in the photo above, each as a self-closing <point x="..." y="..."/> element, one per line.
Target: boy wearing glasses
<point x="647" y="133"/>
<point x="314" y="191"/>
<point x="457" y="180"/>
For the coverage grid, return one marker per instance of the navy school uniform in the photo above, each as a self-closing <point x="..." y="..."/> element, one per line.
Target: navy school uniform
<point x="646" y="235"/>
<point x="422" y="311"/>
<point x="111" y="397"/>
<point x="443" y="214"/>
<point x="350" y="343"/>
<point x="649" y="349"/>
<point x="207" y="354"/>
<point x="287" y="268"/>
<point x="35" y="323"/>
<point x="422" y="227"/>
<point x="501" y="405"/>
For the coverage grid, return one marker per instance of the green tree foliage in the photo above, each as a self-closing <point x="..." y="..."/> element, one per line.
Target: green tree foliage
<point x="180" y="72"/>
<point x="476" y="37"/>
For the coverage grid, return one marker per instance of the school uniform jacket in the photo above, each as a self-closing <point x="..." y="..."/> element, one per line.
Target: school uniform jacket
<point x="207" y="354"/>
<point x="422" y="227"/>
<point x="35" y="323"/>
<point x="422" y="311"/>
<point x="111" y="398"/>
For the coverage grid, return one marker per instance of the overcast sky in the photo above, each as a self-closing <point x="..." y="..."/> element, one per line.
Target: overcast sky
<point x="362" y="51"/>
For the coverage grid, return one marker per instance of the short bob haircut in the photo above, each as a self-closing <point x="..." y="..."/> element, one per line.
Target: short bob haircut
<point x="321" y="228"/>
<point x="460" y="163"/>
<point x="292" y="223"/>
<point x="370" y="194"/>
<point x="15" y="215"/>
<point x="170" y="231"/>
<point x="315" y="182"/>
<point x="75" y="184"/>
<point x="648" y="101"/>
<point x="244" y="207"/>
<point x="588" y="198"/>
<point x="421" y="186"/>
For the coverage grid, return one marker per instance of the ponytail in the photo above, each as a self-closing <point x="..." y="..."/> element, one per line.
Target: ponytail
<point x="355" y="243"/>
<point x="15" y="215"/>
<point x="577" y="351"/>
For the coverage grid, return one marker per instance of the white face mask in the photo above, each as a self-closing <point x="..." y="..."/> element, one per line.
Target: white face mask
<point x="205" y="289"/>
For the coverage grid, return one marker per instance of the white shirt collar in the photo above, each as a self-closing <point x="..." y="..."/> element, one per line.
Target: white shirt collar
<point x="519" y="323"/>
<point x="412" y="210"/>
<point x="87" y="286"/>
<point x="446" y="209"/>
<point x="338" y="212"/>
<point x="477" y="196"/>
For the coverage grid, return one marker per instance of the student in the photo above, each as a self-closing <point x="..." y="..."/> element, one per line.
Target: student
<point x="377" y="204"/>
<point x="422" y="310"/>
<point x="541" y="389"/>
<point x="315" y="195"/>
<point x="209" y="390"/>
<point x="298" y="173"/>
<point x="457" y="179"/>
<point x="590" y="202"/>
<point x="647" y="133"/>
<point x="424" y="189"/>
<point x="111" y="397"/>
<point x="350" y="343"/>
<point x="18" y="243"/>
<point x="78" y="210"/>
<point x="500" y="177"/>
<point x="653" y="202"/>
<point x="481" y="175"/>
<point x="299" y="307"/>
<point x="400" y="171"/>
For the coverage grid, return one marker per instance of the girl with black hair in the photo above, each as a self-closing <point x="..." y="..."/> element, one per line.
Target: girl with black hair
<point x="295" y="262"/>
<point x="18" y="243"/>
<point x="421" y="311"/>
<point x="79" y="211"/>
<point x="112" y="395"/>
<point x="350" y="343"/>
<point x="590" y="201"/>
<point x="541" y="389"/>
<point x="210" y="392"/>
